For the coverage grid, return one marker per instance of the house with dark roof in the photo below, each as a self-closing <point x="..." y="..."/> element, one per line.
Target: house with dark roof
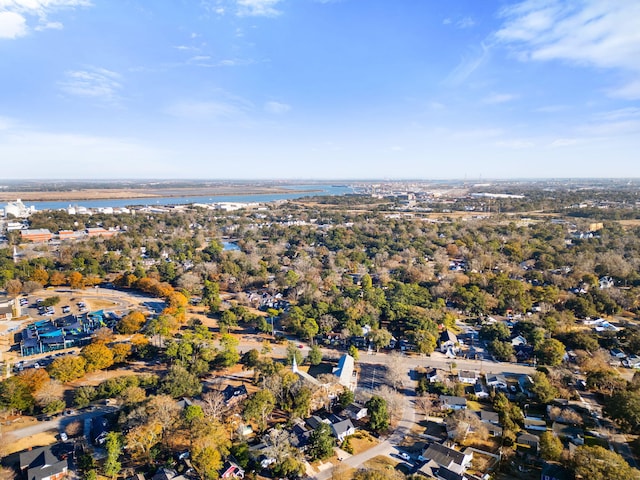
<point x="42" y="464"/>
<point x="167" y="474"/>
<point x="448" y="342"/>
<point x="553" y="471"/>
<point x="233" y="395"/>
<point x="449" y="402"/>
<point x="480" y="391"/>
<point x="355" y="411"/>
<point x="529" y="439"/>
<point x="448" y="458"/>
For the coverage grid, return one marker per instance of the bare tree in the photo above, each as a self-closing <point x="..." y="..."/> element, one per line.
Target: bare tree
<point x="213" y="405"/>
<point x="396" y="370"/>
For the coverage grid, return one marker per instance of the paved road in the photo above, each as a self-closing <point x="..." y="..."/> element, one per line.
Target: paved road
<point x="59" y="423"/>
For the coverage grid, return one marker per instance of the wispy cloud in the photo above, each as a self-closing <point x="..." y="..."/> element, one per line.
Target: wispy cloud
<point x="467" y="66"/>
<point x="15" y="15"/>
<point x="276" y="108"/>
<point x="590" y="33"/>
<point x="466" y="22"/>
<point x="497" y="98"/>
<point x="629" y="91"/>
<point x="258" y="8"/>
<point x="93" y="82"/>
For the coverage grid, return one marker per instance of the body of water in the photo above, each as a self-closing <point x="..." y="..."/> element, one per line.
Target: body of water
<point x="305" y="191"/>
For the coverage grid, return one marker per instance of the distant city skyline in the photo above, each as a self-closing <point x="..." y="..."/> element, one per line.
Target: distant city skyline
<point x="319" y="89"/>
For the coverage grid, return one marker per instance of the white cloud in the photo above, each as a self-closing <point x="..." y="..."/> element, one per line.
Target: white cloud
<point x="565" y="142"/>
<point x="258" y="8"/>
<point x="466" y="22"/>
<point x="467" y="66"/>
<point x="93" y="82"/>
<point x="12" y="25"/>
<point x="499" y="98"/>
<point x="14" y="15"/>
<point x="50" y="26"/>
<point x="630" y="91"/>
<point x="276" y="108"/>
<point x="595" y="33"/>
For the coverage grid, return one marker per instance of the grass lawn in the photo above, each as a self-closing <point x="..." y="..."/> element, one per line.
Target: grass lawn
<point x="473" y="405"/>
<point x="361" y="441"/>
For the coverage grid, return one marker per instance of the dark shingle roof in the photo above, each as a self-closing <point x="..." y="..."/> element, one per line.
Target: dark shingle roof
<point x="442" y="455"/>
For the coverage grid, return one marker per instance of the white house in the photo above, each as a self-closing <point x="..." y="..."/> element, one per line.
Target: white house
<point x="468" y="376"/>
<point x="497" y="381"/>
<point x="448" y="458"/>
<point x="449" y="402"/>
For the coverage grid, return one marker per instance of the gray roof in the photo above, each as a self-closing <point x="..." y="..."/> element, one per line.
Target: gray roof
<point x="342" y="427"/>
<point x="448" y="336"/>
<point x="442" y="455"/>
<point x="491" y="417"/>
<point x="41" y="463"/>
<point x="451" y="400"/>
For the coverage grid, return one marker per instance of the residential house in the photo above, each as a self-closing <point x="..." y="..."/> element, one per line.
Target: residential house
<point x="467" y="376"/>
<point x="165" y="473"/>
<point x="518" y="340"/>
<point x="529" y="439"/>
<point x="448" y="458"/>
<point x="618" y="353"/>
<point x="434" y="375"/>
<point x="633" y="361"/>
<point x="231" y="469"/>
<point x="606" y="282"/>
<point x="523" y="353"/>
<point x="553" y="471"/>
<point x="568" y="432"/>
<point x="99" y="430"/>
<point x="342" y="429"/>
<point x="536" y="424"/>
<point x="498" y="382"/>
<point x="355" y="411"/>
<point x="41" y="464"/>
<point x="480" y="391"/>
<point x="234" y="395"/>
<point x="448" y="342"/>
<point x="449" y="402"/>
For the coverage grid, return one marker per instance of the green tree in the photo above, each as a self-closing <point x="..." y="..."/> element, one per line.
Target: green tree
<point x="381" y="338"/>
<point x="315" y="355"/>
<point x="542" y="388"/>
<point x="15" y="395"/>
<point x="551" y="352"/>
<point x="321" y="442"/>
<point x="346" y="398"/>
<point x="113" y="445"/>
<point x="180" y="383"/>
<point x="227" y="320"/>
<point x="597" y="463"/>
<point x="293" y="352"/>
<point x="624" y="408"/>
<point x="378" y="413"/>
<point x="259" y="407"/>
<point x="353" y="351"/>
<point x="550" y="446"/>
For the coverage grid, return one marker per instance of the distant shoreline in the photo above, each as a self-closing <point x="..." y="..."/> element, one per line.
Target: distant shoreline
<point x="122" y="193"/>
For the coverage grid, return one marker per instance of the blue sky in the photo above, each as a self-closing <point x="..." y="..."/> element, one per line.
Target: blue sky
<point x="324" y="89"/>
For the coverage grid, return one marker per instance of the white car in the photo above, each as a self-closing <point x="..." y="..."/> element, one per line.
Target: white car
<point x="405" y="456"/>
